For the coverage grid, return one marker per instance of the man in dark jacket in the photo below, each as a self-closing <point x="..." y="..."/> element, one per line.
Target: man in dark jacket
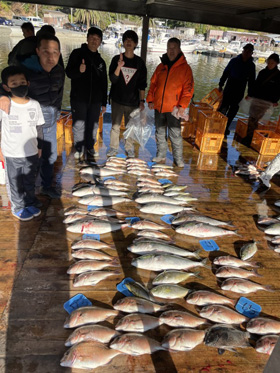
<point x="239" y="71"/>
<point x="87" y="71"/>
<point x="128" y="75"/>
<point x="25" y="47"/>
<point x="46" y="78"/>
<point x="265" y="94"/>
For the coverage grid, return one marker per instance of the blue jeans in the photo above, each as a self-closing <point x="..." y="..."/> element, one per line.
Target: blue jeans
<point x="49" y="148"/>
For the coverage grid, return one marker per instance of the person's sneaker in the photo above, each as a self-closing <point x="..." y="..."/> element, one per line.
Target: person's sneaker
<point x="265" y="180"/>
<point x="159" y="159"/>
<point x="33" y="210"/>
<point x="78" y="155"/>
<point x="23" y="215"/>
<point x="179" y="164"/>
<point x="51" y="192"/>
<point x="130" y="154"/>
<point x="112" y="152"/>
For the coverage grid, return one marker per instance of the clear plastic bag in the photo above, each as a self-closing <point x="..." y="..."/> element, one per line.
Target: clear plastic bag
<point x="256" y="108"/>
<point x="175" y="113"/>
<point x="140" y="126"/>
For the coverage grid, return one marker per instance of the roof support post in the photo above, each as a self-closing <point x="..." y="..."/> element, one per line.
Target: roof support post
<point x="144" y="43"/>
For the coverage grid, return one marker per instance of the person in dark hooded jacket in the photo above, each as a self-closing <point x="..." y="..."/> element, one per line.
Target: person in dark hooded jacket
<point x="265" y="93"/>
<point x="87" y="71"/>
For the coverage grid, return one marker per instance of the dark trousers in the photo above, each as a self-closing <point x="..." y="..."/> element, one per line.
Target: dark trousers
<point x="21" y="175"/>
<point x="229" y="107"/>
<point x="85" y="124"/>
<point x="164" y="121"/>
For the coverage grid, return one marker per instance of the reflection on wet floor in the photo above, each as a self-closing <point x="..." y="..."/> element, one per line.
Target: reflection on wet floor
<point x="34" y="258"/>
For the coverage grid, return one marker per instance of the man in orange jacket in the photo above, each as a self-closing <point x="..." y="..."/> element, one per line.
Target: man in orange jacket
<point x="171" y="85"/>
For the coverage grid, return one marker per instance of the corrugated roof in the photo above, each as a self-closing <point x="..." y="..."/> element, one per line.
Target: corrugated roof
<point x="256" y="15"/>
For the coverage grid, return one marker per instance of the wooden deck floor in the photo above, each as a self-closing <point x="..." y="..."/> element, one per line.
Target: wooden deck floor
<point x="34" y="257"/>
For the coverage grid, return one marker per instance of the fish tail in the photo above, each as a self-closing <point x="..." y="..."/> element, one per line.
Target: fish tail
<point x="114" y="262"/>
<point x="269" y="288"/>
<point x="203" y="263"/>
<point x="196" y="253"/>
<point x="255" y="271"/>
<point x="229" y="224"/>
<point x="255" y="264"/>
<point x="196" y="274"/>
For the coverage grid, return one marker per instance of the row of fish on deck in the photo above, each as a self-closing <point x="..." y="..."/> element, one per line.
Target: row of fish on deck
<point x="92" y="345"/>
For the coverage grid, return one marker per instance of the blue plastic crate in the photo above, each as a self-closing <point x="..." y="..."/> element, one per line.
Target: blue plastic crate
<point x="209" y="245"/>
<point x="91" y="236"/>
<point x="150" y="164"/>
<point x="168" y="218"/>
<point x="92" y="207"/>
<point x="165" y="181"/>
<point x="121" y="156"/>
<point x="79" y="300"/>
<point x="248" y="308"/>
<point x="132" y="219"/>
<point x="123" y="289"/>
<point x="109" y="177"/>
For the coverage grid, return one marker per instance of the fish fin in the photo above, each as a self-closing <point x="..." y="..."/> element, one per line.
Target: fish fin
<point x="268" y="238"/>
<point x="255" y="264"/>
<point x="229" y="224"/>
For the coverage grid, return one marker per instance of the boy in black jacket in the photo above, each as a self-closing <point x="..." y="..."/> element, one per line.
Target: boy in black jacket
<point x="87" y="71"/>
<point x="128" y="75"/>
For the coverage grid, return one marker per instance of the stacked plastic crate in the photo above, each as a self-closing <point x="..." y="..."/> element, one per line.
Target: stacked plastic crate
<point x="210" y="131"/>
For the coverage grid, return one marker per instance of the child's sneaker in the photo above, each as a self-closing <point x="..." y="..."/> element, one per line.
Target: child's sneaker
<point x="23" y="215"/>
<point x="33" y="210"/>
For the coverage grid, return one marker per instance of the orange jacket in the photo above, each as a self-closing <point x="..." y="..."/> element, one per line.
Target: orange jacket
<point x="171" y="88"/>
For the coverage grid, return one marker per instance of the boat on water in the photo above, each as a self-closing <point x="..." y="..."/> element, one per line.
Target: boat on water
<point x="186" y="47"/>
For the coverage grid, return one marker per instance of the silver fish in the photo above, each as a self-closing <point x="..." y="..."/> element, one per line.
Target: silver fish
<point x="88" y="315"/>
<point x="266" y="344"/>
<point x="248" y="250"/>
<point x="243" y="286"/>
<point x="165" y="166"/>
<point x="116" y="182"/>
<point x="90" y="265"/>
<point x="202" y="230"/>
<point x="184" y="339"/>
<point x="273" y="229"/>
<point x="90" y="244"/>
<point x="205" y="297"/>
<point x="199" y="218"/>
<point x="162" y="208"/>
<point x="176" y="188"/>
<point x="222" y="314"/>
<point x="173" y="277"/>
<point x="153" y="197"/>
<point x="155" y="247"/>
<point x="94" y="227"/>
<point x="263" y="325"/>
<point x="88" y="355"/>
<point x="158" y="263"/>
<point x="83" y="191"/>
<point x="93" y="277"/>
<point x="135" y="304"/>
<point x="137" y="322"/>
<point x="107" y="212"/>
<point x="181" y="319"/>
<point x="72" y="218"/>
<point x="91" y="254"/>
<point x="153" y="234"/>
<point x="150" y="190"/>
<point x="226" y="337"/>
<point x="139" y="290"/>
<point x="96" y="333"/>
<point x="227" y="271"/>
<point x="169" y="291"/>
<point x="232" y="261"/>
<point x="98" y="200"/>
<point x="146" y="224"/>
<point x="103" y="172"/>
<point x="108" y="192"/>
<point x="149" y="180"/>
<point x="135" y="344"/>
<point x="74" y="210"/>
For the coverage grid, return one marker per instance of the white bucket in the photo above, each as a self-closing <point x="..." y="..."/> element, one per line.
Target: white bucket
<point x="2" y="173"/>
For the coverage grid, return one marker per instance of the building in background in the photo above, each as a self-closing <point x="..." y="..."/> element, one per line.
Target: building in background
<point x="55" y="18"/>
